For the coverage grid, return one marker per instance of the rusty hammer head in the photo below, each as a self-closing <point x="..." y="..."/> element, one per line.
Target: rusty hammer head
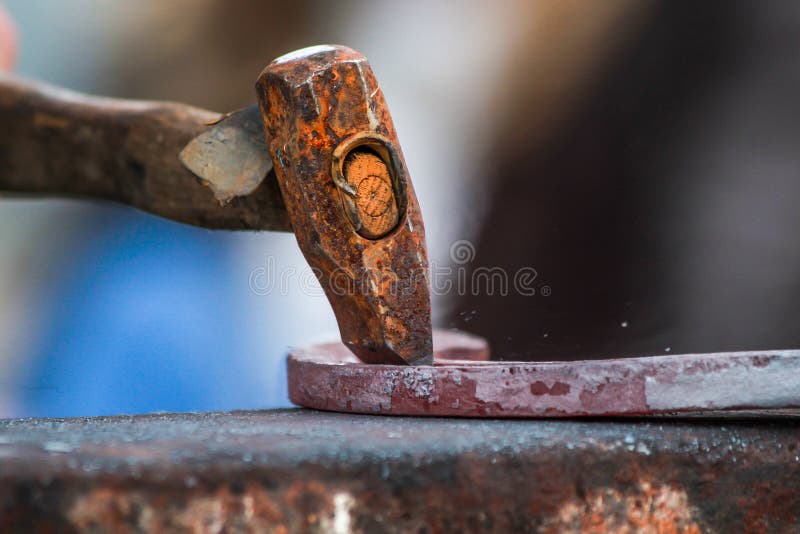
<point x="350" y="200"/>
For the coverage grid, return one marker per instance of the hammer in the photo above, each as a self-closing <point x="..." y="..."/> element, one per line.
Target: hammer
<point x="317" y="156"/>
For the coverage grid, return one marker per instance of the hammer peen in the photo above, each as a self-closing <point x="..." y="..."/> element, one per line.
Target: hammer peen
<point x="318" y="156"/>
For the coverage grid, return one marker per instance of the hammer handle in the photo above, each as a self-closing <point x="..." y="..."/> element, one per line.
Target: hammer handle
<point x="60" y="143"/>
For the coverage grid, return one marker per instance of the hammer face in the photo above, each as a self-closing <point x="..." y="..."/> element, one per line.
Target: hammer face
<point x="351" y="203"/>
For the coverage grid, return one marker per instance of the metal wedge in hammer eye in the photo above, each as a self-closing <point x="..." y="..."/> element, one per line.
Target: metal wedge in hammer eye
<point x="350" y="200"/>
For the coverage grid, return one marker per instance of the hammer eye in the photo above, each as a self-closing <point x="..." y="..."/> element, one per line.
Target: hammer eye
<point x="375" y="199"/>
<point x="371" y="192"/>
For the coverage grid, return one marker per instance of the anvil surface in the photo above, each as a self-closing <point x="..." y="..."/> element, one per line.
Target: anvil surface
<point x="307" y="471"/>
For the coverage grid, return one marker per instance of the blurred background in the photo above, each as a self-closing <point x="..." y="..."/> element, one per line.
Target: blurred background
<point x="642" y="157"/>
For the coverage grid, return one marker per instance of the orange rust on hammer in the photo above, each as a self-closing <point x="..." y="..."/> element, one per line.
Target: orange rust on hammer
<point x="351" y="203"/>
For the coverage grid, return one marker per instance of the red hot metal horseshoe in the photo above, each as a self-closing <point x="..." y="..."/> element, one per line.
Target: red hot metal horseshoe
<point x="328" y="377"/>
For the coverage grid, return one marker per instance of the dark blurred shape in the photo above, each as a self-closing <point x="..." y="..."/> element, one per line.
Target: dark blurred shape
<point x="662" y="212"/>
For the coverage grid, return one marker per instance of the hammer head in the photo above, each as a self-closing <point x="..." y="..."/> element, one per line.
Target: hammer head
<point x="350" y="200"/>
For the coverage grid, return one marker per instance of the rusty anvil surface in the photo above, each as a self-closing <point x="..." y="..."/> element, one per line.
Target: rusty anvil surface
<point x="307" y="471"/>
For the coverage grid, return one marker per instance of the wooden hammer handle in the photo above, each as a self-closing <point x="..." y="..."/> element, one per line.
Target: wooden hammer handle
<point x="60" y="143"/>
